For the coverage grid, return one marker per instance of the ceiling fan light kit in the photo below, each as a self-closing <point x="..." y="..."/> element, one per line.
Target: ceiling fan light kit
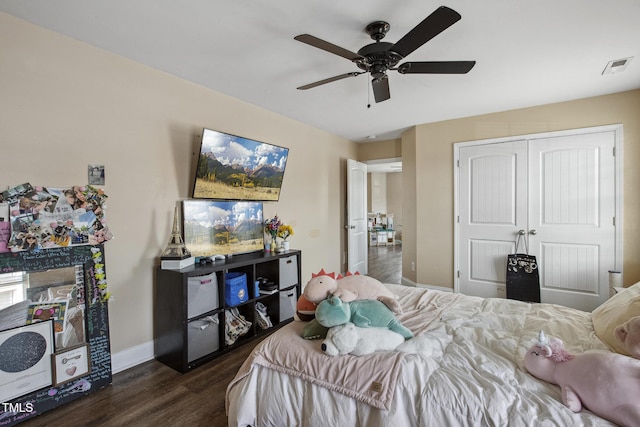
<point x="379" y="57"/>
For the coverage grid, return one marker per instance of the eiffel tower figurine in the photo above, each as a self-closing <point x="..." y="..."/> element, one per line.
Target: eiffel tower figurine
<point x="176" y="249"/>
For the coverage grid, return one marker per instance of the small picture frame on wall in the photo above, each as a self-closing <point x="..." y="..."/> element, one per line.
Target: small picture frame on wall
<point x="95" y="174"/>
<point x="70" y="364"/>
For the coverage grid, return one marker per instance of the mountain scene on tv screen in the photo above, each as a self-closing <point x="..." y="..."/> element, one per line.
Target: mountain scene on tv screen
<point x="215" y="180"/>
<point x="222" y="227"/>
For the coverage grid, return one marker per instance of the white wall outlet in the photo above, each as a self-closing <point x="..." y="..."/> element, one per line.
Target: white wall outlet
<point x="413" y="266"/>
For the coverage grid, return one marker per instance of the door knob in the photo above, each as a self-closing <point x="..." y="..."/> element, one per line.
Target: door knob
<point x="521" y="232"/>
<point x="533" y="232"/>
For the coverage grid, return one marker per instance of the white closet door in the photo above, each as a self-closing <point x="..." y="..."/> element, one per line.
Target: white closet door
<point x="561" y="191"/>
<point x="493" y="207"/>
<point x="572" y="209"/>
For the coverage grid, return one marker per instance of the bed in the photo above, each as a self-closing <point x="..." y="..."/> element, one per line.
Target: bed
<point x="469" y="373"/>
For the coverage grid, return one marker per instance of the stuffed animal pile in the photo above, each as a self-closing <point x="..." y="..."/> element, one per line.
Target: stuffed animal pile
<point x="607" y="384"/>
<point x="354" y="313"/>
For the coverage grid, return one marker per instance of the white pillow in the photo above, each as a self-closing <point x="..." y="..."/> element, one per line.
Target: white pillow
<point x="616" y="311"/>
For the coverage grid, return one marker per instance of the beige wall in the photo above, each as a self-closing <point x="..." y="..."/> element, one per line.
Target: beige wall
<point x="377" y="192"/>
<point x="65" y="105"/>
<point x="394" y="198"/>
<point x="432" y="147"/>
<point x="409" y="206"/>
<point x="388" y="149"/>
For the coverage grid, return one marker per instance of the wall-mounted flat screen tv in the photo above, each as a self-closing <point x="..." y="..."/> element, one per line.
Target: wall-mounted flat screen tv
<point x="213" y="227"/>
<point x="231" y="167"/>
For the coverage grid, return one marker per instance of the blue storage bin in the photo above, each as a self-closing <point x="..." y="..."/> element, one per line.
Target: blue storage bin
<point x="235" y="288"/>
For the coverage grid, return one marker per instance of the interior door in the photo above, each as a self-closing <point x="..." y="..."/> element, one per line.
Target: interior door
<point x="492" y="209"/>
<point x="559" y="191"/>
<point x="571" y="217"/>
<point x="357" y="257"/>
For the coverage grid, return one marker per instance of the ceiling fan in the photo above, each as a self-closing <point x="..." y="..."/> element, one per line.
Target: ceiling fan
<point x="379" y="57"/>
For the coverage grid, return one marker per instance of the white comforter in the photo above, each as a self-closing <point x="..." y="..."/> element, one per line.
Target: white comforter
<point x="467" y="372"/>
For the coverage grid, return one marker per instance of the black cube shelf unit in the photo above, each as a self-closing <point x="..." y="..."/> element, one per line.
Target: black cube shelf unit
<point x="190" y="307"/>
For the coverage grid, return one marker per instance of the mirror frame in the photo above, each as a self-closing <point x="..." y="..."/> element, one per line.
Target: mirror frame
<point x="96" y="326"/>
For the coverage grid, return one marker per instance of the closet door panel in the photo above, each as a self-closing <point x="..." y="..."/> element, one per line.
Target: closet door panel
<point x="571" y="208"/>
<point x="493" y="199"/>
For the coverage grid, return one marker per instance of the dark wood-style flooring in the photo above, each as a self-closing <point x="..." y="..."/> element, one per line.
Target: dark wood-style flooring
<point x="385" y="263"/>
<point x="152" y="394"/>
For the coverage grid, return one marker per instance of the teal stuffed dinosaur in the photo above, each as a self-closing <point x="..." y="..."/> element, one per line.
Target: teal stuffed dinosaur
<point x="364" y="313"/>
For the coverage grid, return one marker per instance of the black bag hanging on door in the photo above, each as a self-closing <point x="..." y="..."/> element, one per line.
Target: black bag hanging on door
<point x="523" y="280"/>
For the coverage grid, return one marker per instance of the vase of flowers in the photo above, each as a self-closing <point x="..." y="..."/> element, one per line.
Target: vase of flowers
<point x="284" y="231"/>
<point x="271" y="228"/>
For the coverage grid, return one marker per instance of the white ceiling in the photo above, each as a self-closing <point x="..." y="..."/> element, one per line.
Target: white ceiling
<point x="528" y="52"/>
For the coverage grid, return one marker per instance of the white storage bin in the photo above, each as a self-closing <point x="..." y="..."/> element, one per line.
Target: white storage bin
<point x="202" y="294"/>
<point x="288" y="272"/>
<point x="203" y="337"/>
<point x="288" y="300"/>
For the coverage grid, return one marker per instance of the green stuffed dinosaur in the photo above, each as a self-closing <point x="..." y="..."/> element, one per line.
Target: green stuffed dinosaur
<point x="364" y="313"/>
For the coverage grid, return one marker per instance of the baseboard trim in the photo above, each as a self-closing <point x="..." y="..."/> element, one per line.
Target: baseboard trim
<point x="132" y="356"/>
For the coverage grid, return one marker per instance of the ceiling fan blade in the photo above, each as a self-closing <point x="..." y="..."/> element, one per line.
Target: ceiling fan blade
<point x="329" y="47"/>
<point x="441" y="19"/>
<point x="329" y="80"/>
<point x="438" y="67"/>
<point x="381" y="89"/>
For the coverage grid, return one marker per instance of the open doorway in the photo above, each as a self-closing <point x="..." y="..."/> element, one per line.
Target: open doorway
<point x="384" y="200"/>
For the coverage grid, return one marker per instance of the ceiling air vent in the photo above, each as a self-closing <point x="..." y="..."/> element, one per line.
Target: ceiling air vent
<point x="616" y="66"/>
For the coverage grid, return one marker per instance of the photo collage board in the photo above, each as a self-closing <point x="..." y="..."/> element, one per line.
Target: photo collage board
<point x="45" y="217"/>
